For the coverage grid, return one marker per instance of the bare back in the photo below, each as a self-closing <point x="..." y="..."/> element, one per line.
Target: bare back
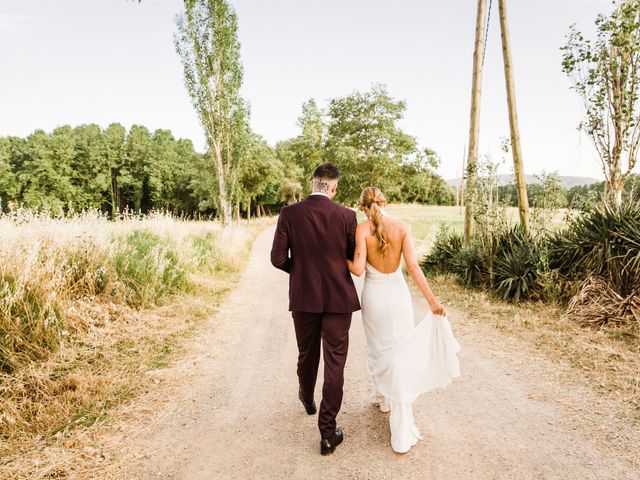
<point x="396" y="231"/>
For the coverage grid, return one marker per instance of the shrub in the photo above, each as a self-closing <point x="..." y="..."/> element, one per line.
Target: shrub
<point x="508" y="261"/>
<point x="149" y="265"/>
<point x="205" y="251"/>
<point x="515" y="264"/>
<point x="448" y="243"/>
<point x="604" y="242"/>
<point x="469" y="264"/>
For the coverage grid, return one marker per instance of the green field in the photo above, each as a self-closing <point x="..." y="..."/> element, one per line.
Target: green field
<point x="426" y="220"/>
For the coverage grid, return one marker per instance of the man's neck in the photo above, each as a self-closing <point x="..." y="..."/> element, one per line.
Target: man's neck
<point x="321" y="193"/>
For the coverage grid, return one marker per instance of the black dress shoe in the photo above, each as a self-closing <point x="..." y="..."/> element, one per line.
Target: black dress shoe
<point x="309" y="407"/>
<point x="328" y="445"/>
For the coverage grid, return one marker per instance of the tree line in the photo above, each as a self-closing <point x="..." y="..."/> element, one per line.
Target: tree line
<point x="114" y="169"/>
<point x="549" y="193"/>
<point x="88" y="167"/>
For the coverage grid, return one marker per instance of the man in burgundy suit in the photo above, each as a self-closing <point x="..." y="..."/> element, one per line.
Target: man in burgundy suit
<point x="313" y="240"/>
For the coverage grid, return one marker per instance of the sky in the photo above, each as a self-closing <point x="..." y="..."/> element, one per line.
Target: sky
<point x="103" y="61"/>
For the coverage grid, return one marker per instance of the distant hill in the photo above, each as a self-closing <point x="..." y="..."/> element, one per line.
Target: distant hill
<point x="567" y="181"/>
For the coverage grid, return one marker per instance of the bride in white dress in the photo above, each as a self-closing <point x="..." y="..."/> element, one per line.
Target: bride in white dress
<point x="403" y="359"/>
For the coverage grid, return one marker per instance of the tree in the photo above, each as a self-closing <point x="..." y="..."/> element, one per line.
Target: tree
<point x="45" y="172"/>
<point x="548" y="193"/>
<point x="293" y="171"/>
<point x="365" y="141"/>
<point x="89" y="172"/>
<point x="260" y="173"/>
<point x="89" y="168"/>
<point x="208" y="47"/>
<point x="302" y="154"/>
<point x="9" y="186"/>
<point x="161" y="170"/>
<point x="420" y="184"/>
<point x="606" y="75"/>
<point x="114" y="143"/>
<point x="360" y="134"/>
<point x="136" y="151"/>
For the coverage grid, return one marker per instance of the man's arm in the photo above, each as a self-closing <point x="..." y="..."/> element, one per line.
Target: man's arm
<point x="280" y="249"/>
<point x="351" y="239"/>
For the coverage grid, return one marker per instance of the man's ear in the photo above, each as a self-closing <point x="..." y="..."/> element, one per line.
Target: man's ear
<point x="334" y="188"/>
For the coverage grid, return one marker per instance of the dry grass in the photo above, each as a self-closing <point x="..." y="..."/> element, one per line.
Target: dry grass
<point x="597" y="305"/>
<point x="81" y="327"/>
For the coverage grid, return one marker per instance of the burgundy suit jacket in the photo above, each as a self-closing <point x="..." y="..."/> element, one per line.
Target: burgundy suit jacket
<point x="313" y="240"/>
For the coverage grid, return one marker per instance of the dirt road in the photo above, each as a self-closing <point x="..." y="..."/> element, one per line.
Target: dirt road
<point x="234" y="412"/>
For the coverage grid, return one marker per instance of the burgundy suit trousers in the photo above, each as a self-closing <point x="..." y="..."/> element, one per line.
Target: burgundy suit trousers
<point x="332" y="331"/>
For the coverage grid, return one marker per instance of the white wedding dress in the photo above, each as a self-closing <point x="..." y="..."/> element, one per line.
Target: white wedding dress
<point x="404" y="359"/>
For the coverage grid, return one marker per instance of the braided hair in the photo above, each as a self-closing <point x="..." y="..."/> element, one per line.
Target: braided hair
<point x="374" y="200"/>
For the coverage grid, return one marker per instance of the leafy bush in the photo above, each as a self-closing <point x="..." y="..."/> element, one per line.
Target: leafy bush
<point x="592" y="264"/>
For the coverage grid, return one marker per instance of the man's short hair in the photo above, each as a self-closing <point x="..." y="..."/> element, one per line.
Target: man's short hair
<point x="327" y="171"/>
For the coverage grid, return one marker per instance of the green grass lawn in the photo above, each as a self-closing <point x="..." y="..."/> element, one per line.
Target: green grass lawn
<point x="426" y="220"/>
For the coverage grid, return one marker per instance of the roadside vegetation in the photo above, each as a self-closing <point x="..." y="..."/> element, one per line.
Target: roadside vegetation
<point x="88" y="305"/>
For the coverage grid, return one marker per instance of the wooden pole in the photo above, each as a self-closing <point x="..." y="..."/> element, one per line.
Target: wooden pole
<point x="521" y="186"/>
<point x="464" y="169"/>
<point x="474" y="123"/>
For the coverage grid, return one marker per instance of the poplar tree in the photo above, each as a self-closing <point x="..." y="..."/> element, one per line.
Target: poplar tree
<point x="207" y="43"/>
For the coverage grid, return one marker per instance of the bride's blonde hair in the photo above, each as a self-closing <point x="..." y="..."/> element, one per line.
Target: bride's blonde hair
<point x="373" y="199"/>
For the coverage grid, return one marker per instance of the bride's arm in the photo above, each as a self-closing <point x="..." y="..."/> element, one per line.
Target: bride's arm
<point x="416" y="274"/>
<point x="360" y="255"/>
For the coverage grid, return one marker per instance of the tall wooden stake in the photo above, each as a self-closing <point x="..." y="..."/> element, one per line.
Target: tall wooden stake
<point x="474" y="124"/>
<point x="464" y="167"/>
<point x="521" y="186"/>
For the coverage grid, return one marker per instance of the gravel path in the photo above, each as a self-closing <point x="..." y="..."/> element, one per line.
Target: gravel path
<point x="235" y="412"/>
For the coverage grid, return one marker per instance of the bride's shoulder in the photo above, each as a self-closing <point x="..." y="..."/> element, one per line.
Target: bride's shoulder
<point x="364" y="226"/>
<point x="404" y="227"/>
<point x="397" y="223"/>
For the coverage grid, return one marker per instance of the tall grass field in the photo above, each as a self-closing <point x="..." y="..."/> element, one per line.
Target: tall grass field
<point x="88" y="304"/>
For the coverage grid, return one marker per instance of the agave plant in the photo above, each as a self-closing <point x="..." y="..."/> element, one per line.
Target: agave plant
<point x="470" y="264"/>
<point x="515" y="264"/>
<point x="604" y="242"/>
